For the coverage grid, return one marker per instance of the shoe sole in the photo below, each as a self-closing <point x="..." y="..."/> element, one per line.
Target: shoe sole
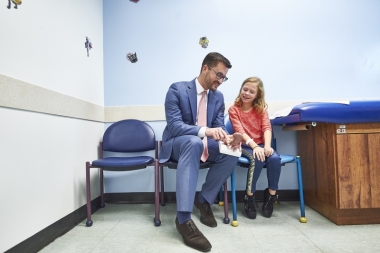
<point x="251" y="218"/>
<point x="208" y="225"/>
<point x="266" y="215"/>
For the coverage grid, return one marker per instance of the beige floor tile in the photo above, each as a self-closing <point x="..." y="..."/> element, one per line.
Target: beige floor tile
<point x="129" y="228"/>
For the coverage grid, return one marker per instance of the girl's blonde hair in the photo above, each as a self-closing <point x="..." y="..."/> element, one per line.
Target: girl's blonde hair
<point x="258" y="103"/>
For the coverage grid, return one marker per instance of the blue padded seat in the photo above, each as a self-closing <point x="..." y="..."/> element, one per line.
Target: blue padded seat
<point x="284" y="159"/>
<point x="120" y="163"/>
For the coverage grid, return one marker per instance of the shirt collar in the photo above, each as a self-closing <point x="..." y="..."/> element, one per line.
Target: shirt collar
<point x="199" y="87"/>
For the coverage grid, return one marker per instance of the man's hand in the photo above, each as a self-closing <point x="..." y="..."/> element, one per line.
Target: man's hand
<point x="217" y="134"/>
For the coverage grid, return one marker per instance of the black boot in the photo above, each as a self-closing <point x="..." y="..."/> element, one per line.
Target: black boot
<point x="268" y="203"/>
<point x="250" y="206"/>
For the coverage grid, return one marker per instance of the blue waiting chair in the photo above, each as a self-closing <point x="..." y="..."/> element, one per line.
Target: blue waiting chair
<point x="244" y="162"/>
<point x="125" y="136"/>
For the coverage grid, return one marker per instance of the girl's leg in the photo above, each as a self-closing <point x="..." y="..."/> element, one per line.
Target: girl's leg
<point x="250" y="203"/>
<point x="273" y="164"/>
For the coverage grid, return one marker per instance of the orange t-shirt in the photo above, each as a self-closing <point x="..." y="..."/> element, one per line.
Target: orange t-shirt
<point x="251" y="123"/>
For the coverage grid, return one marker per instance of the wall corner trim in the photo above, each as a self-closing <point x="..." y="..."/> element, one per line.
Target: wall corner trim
<point x="25" y="96"/>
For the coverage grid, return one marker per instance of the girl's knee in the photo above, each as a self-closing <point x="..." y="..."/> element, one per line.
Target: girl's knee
<point x="275" y="158"/>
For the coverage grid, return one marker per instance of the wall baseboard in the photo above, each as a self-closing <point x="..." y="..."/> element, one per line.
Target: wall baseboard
<point x="148" y="197"/>
<point x="55" y="230"/>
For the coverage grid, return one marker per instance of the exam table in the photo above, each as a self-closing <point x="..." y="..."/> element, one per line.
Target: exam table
<point x="339" y="145"/>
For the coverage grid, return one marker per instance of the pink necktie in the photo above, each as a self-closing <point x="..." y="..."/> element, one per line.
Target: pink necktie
<point x="202" y="121"/>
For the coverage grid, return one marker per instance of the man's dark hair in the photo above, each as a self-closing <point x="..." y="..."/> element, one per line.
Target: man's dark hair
<point x="213" y="58"/>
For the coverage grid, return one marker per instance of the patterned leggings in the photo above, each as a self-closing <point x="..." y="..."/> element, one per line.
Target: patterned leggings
<point x="251" y="169"/>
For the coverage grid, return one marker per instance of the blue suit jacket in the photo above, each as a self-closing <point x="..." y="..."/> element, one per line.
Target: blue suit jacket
<point x="181" y="114"/>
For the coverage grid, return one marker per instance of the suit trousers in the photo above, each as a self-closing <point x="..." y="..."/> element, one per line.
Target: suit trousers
<point x="187" y="151"/>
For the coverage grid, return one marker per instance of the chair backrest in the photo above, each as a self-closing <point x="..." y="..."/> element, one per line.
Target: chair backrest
<point x="129" y="135"/>
<point x="228" y="124"/>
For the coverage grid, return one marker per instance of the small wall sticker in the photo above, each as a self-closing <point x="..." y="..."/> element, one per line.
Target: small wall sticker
<point x="16" y="2"/>
<point x="132" y="57"/>
<point x="88" y="45"/>
<point x="203" y="41"/>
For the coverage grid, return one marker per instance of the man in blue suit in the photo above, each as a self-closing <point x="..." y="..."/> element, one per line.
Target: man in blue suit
<point x="183" y="142"/>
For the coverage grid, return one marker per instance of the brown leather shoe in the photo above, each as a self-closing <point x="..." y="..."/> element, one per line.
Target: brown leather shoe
<point x="207" y="216"/>
<point x="192" y="237"/>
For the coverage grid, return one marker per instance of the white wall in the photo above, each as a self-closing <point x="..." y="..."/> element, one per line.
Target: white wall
<point x="42" y="157"/>
<point x="42" y="175"/>
<point x="302" y="50"/>
<point x="43" y="44"/>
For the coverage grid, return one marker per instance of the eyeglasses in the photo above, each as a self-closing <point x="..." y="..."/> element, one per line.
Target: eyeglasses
<point x="219" y="75"/>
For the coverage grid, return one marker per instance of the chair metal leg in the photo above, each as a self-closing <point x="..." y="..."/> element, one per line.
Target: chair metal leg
<point x="162" y="198"/>
<point x="300" y="188"/>
<point x="157" y="221"/>
<point x="88" y="193"/>
<point x="234" y="222"/>
<point x="101" y="189"/>
<point x="226" y="220"/>
<point x="221" y="199"/>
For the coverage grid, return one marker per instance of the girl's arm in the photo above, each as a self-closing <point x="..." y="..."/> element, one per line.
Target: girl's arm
<point x="268" y="150"/>
<point x="267" y="129"/>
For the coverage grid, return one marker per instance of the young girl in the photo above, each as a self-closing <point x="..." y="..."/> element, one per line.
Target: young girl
<point x="249" y="117"/>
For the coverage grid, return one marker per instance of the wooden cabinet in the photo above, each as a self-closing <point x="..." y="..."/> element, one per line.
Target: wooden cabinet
<point x="341" y="171"/>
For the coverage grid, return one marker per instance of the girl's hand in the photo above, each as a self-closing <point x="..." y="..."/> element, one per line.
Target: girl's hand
<point x="268" y="151"/>
<point x="236" y="141"/>
<point x="259" y="153"/>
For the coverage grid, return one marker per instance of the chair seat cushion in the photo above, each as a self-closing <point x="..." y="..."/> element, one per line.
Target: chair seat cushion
<point x="243" y="160"/>
<point x="173" y="164"/>
<point x="123" y="163"/>
<point x="286" y="158"/>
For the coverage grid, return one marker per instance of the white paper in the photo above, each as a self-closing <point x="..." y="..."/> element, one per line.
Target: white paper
<point x="224" y="149"/>
<point x="345" y="102"/>
<point x="281" y="113"/>
<point x="285" y="112"/>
